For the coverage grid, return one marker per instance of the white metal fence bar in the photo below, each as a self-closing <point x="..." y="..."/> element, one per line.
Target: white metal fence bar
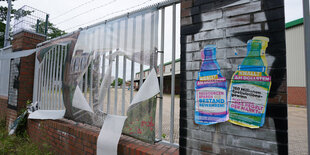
<point x="57" y="76"/>
<point x="116" y="68"/>
<point x="35" y="82"/>
<point x="160" y="117"/>
<point x="53" y="78"/>
<point x="103" y="56"/>
<point x="49" y="86"/>
<point x="42" y="90"/>
<point x="109" y="88"/>
<point x="132" y="62"/>
<point x="152" y="64"/>
<point x="91" y="84"/>
<point x="62" y="60"/>
<point x="46" y="81"/>
<point x="142" y="50"/>
<point x="124" y="68"/>
<point x="173" y="74"/>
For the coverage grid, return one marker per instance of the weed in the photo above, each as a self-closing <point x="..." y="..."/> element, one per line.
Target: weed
<point x="19" y="144"/>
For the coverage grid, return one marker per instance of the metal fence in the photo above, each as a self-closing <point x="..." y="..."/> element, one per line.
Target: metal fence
<point x="31" y="19"/>
<point x="5" y="71"/>
<point x="48" y="73"/>
<point x="48" y="79"/>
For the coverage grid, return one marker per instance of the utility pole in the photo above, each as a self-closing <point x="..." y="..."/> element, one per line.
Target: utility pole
<point x="46" y="26"/>
<point x="307" y="54"/>
<point x="7" y="26"/>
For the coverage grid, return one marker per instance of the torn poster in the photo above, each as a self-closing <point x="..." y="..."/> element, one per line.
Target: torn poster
<point x="210" y="90"/>
<point x="13" y="126"/>
<point x="18" y="54"/>
<point x="140" y="123"/>
<point x="109" y="135"/>
<point x="79" y="101"/>
<point x="250" y="85"/>
<point x="47" y="114"/>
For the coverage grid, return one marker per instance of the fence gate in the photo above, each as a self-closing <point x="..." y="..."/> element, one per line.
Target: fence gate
<point x="137" y="34"/>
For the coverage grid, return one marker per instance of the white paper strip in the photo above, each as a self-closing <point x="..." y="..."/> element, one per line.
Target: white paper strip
<point x="17" y="54"/>
<point x="149" y="89"/>
<point x="109" y="135"/>
<point x="105" y="84"/>
<point x="79" y="101"/>
<point x="47" y="114"/>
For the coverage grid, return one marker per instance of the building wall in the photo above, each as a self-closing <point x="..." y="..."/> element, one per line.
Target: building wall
<point x="295" y="47"/>
<point x="296" y="71"/>
<point x="230" y="24"/>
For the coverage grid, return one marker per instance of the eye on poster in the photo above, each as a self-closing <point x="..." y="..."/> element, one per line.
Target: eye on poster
<point x="250" y="85"/>
<point x="210" y="90"/>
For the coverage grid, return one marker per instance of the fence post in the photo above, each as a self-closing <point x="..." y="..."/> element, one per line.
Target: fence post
<point x="21" y="73"/>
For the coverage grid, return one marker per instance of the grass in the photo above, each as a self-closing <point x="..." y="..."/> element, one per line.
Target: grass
<point x="19" y="145"/>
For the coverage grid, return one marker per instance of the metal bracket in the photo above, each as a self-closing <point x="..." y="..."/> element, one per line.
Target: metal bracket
<point x="159" y="97"/>
<point x="160" y="51"/>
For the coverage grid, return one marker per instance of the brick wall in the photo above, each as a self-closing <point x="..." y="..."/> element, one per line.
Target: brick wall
<point x="3" y="106"/>
<point x="297" y="95"/>
<point x="11" y="115"/>
<point x="230" y="24"/>
<point x="21" y="72"/>
<point x="68" y="137"/>
<point x="26" y="76"/>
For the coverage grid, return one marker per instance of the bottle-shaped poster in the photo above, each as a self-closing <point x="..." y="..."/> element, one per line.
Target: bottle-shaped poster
<point x="210" y="90"/>
<point x="250" y="85"/>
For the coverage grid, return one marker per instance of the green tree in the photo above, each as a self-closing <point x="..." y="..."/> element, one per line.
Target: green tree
<point x="3" y="14"/>
<point x="52" y="32"/>
<point x="120" y="82"/>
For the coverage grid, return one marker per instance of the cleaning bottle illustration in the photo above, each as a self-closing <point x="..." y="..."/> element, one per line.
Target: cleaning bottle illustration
<point x="210" y="90"/>
<point x="250" y="85"/>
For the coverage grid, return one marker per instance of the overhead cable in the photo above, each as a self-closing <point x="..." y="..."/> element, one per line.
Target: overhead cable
<point x="102" y="17"/>
<point x="87" y="11"/>
<point x="62" y="14"/>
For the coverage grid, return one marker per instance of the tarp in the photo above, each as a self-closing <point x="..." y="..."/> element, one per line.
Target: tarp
<point x="140" y="123"/>
<point x="17" y="54"/>
<point x="109" y="135"/>
<point x="79" y="101"/>
<point x="47" y="114"/>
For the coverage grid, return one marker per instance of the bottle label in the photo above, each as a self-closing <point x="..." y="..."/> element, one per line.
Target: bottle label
<point x="210" y="90"/>
<point x="249" y="88"/>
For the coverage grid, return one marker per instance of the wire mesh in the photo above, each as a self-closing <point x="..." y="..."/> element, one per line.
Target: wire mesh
<point x="31" y="19"/>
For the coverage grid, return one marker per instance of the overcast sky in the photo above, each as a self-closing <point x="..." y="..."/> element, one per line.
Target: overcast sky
<point x="94" y="11"/>
<point x="69" y="15"/>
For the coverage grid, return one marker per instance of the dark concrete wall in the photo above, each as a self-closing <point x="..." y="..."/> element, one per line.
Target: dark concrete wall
<point x="230" y="24"/>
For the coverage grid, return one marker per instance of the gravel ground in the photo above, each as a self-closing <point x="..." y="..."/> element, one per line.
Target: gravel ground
<point x="297" y="130"/>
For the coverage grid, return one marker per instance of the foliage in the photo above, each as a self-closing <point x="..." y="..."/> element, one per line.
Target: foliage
<point x="22" y="125"/>
<point x="120" y="82"/>
<point x="19" y="144"/>
<point x="52" y="32"/>
<point x="4" y="11"/>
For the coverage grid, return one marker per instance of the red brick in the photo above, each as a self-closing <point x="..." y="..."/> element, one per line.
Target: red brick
<point x="297" y="95"/>
<point x="186" y="4"/>
<point x="89" y="150"/>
